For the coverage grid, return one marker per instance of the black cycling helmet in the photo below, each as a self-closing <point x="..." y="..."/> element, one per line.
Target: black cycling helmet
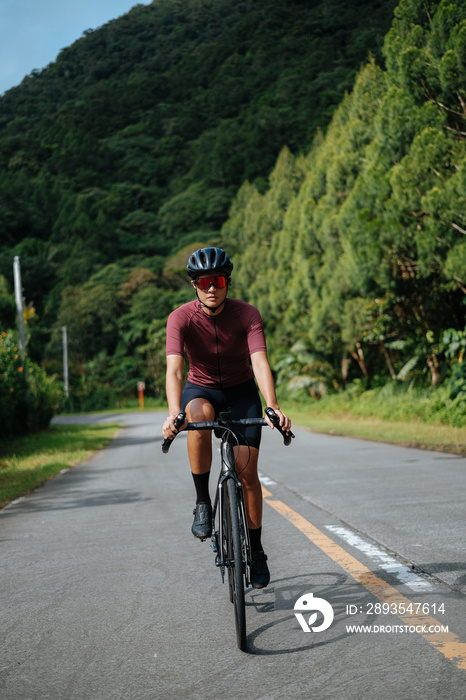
<point x="209" y="260"/>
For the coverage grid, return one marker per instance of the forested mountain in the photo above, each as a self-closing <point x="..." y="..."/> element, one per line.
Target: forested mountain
<point x="134" y="142"/>
<point x="141" y="132"/>
<point x="348" y="225"/>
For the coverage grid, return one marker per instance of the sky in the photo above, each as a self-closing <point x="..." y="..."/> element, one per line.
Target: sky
<point x="33" y="32"/>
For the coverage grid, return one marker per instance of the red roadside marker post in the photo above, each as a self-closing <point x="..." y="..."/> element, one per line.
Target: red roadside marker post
<point x="141" y="387"/>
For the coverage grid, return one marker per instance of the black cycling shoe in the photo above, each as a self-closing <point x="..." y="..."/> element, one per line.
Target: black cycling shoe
<point x="260" y="574"/>
<point x="202" y="525"/>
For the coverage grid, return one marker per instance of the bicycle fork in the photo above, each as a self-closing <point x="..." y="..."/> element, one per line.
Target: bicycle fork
<point x="217" y="535"/>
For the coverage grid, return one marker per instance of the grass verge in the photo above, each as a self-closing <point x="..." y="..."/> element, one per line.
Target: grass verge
<point x="27" y="462"/>
<point x="442" y="438"/>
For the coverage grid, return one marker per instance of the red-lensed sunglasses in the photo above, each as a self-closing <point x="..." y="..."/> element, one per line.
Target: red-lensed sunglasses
<point x="219" y="282"/>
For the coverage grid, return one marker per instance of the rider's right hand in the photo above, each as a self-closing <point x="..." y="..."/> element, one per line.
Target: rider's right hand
<point x="169" y="430"/>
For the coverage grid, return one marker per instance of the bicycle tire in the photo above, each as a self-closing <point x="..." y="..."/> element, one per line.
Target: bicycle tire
<point x="226" y="544"/>
<point x="235" y="563"/>
<point x="243" y="539"/>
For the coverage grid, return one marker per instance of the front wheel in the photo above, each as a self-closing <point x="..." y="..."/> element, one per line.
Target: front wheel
<point x="235" y="562"/>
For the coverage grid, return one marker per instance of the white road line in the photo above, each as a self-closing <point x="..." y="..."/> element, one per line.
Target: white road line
<point x="266" y="481"/>
<point x="386" y="562"/>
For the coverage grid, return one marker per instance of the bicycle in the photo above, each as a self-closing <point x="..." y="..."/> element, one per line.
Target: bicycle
<point x="230" y="534"/>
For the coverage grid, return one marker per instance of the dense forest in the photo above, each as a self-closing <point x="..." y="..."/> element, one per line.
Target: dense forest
<point x="322" y="143"/>
<point x="356" y="254"/>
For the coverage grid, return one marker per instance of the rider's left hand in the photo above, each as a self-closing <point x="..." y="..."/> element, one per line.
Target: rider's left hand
<point x="285" y="422"/>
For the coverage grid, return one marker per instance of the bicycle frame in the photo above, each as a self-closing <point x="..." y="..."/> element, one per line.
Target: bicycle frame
<point x="228" y="471"/>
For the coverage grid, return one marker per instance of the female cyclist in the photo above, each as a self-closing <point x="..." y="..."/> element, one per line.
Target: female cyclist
<point x="225" y="345"/>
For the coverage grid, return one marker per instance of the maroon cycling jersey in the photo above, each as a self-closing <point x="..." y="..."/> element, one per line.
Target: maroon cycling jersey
<point x="218" y="347"/>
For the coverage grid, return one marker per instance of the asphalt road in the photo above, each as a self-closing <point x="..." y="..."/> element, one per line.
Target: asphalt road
<point x="105" y="594"/>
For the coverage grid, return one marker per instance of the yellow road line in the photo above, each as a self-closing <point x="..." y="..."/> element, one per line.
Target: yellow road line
<point x="447" y="643"/>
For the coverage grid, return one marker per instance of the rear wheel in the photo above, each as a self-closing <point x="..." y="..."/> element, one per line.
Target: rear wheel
<point x="235" y="561"/>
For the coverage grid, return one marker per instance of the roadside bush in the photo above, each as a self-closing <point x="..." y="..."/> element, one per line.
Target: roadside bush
<point x="87" y="396"/>
<point x="457" y="382"/>
<point x="24" y="405"/>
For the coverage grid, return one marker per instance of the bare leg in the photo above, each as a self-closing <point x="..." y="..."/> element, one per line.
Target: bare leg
<point x="247" y="459"/>
<point x="200" y="459"/>
<point x="251" y="485"/>
<point x="200" y="441"/>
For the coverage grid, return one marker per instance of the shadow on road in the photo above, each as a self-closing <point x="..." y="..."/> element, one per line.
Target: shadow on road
<point x="283" y="635"/>
<point x="127" y="441"/>
<point x="352" y="605"/>
<point x="81" y="499"/>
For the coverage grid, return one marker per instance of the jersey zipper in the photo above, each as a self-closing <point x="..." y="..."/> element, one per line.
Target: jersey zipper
<point x="218" y="356"/>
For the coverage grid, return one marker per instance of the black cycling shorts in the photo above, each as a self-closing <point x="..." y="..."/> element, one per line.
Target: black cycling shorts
<point x="242" y="400"/>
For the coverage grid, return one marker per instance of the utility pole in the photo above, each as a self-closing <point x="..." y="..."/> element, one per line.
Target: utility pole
<point x="20" y="309"/>
<point x="66" y="385"/>
<point x="22" y="332"/>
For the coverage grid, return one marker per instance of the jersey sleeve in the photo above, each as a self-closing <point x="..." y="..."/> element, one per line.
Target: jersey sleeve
<point x="255" y="332"/>
<point x="175" y="335"/>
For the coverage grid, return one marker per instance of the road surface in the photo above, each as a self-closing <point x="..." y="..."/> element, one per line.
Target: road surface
<point x="105" y="594"/>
